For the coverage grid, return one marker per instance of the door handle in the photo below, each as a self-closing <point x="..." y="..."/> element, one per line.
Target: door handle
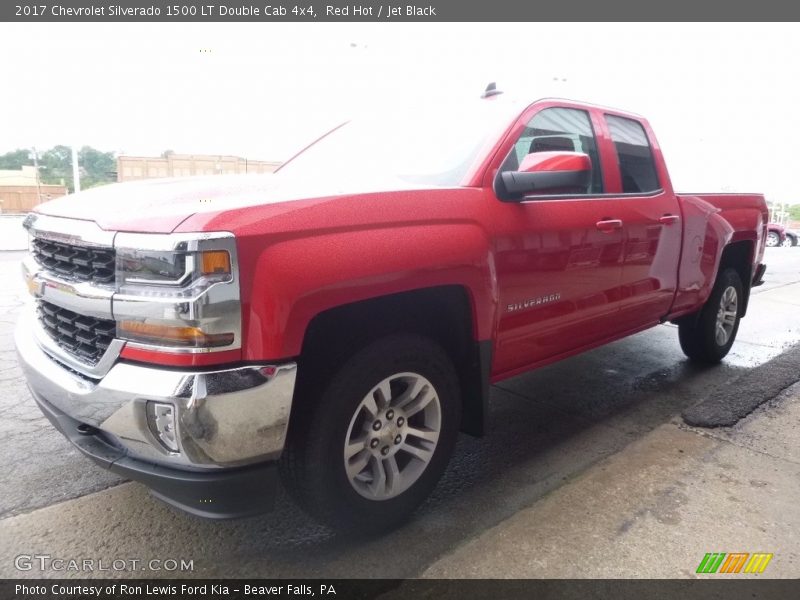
<point x="609" y="225"/>
<point x="669" y="219"/>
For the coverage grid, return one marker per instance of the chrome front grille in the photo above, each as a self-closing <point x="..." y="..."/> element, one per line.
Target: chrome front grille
<point x="86" y="338"/>
<point x="75" y="263"/>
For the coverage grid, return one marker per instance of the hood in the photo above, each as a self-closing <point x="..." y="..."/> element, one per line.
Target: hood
<point x="161" y="205"/>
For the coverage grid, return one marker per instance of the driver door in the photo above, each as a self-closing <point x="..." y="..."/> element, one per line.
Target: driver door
<point x="558" y="256"/>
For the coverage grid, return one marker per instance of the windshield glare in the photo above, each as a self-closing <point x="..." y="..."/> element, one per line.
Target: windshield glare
<point x="416" y="147"/>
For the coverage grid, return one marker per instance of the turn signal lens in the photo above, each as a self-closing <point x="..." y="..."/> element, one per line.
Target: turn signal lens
<point x="215" y="262"/>
<point x="169" y="335"/>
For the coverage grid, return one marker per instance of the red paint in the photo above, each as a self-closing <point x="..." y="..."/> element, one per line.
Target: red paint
<point x="555" y="161"/>
<point x="583" y="270"/>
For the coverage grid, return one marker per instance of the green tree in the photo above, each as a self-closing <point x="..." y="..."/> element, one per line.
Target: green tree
<point x="97" y="168"/>
<point x="16" y="159"/>
<point x="55" y="166"/>
<point x="794" y="212"/>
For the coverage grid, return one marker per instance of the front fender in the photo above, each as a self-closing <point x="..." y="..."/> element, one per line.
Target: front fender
<point x="298" y="278"/>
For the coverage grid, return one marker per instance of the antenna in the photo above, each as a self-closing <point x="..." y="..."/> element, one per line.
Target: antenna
<point x="491" y="90"/>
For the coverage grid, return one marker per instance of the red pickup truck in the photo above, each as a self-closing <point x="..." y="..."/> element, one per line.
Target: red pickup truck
<point x="776" y="235"/>
<point x="336" y="324"/>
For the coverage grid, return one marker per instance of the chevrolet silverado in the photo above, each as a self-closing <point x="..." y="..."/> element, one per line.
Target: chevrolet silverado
<point x="338" y="323"/>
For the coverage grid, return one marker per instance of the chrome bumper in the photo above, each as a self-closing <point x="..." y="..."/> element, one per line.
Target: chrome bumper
<point x="224" y="418"/>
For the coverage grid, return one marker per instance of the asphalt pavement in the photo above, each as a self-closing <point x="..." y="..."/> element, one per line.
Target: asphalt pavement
<point x="39" y="466"/>
<point x="598" y="430"/>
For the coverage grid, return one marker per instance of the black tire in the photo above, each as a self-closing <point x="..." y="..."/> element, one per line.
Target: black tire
<point x="698" y="334"/>
<point x="312" y="466"/>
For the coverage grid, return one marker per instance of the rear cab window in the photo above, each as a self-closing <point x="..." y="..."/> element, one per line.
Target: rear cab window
<point x="637" y="167"/>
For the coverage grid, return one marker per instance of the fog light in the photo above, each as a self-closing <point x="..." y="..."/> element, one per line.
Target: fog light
<point x="161" y="419"/>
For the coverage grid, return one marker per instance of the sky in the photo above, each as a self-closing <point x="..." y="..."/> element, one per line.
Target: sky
<point x="723" y="99"/>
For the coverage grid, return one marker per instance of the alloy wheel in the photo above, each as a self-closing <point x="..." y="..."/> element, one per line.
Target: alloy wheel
<point x="726" y="315"/>
<point x="392" y="436"/>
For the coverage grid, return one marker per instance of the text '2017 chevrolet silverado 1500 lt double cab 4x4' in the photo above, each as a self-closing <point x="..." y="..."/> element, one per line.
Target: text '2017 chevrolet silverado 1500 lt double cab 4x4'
<point x="336" y="324"/>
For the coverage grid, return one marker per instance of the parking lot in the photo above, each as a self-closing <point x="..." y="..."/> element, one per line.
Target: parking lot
<point x="588" y="470"/>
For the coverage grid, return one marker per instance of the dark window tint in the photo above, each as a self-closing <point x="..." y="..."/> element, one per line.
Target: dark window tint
<point x="636" y="165"/>
<point x="559" y="129"/>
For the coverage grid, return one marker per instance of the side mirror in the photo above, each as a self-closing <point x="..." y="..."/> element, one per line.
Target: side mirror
<point x="544" y="171"/>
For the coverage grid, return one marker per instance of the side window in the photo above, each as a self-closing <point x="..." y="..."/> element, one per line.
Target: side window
<point x="636" y="165"/>
<point x="555" y="129"/>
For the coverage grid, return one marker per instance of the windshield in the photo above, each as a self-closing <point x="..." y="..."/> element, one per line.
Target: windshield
<point x="421" y="147"/>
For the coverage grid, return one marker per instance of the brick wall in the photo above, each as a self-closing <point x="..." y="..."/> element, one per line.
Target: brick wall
<point x="22" y="198"/>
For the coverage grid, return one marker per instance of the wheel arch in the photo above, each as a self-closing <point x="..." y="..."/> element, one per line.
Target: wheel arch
<point x="443" y="313"/>
<point x="739" y="255"/>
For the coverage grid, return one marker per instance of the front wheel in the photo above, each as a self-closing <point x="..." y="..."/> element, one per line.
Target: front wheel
<point x="773" y="239"/>
<point x="369" y="450"/>
<point x="708" y="337"/>
<point x="788" y="242"/>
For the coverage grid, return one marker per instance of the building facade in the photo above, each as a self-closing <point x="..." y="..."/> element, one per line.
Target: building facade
<point x="20" y="190"/>
<point x="131" y="168"/>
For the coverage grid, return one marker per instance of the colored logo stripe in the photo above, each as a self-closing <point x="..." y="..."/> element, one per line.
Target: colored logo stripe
<point x="713" y="562"/>
<point x="734" y="562"/>
<point x="758" y="562"/>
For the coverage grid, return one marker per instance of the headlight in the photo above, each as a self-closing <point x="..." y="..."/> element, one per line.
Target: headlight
<point x="175" y="273"/>
<point x="177" y="291"/>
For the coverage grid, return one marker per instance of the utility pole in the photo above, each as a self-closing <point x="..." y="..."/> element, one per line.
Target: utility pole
<point x="76" y="176"/>
<point x="36" y="170"/>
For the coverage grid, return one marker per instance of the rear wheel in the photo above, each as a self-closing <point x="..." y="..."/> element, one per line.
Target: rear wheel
<point x="371" y="448"/>
<point x="788" y="242"/>
<point x="708" y="337"/>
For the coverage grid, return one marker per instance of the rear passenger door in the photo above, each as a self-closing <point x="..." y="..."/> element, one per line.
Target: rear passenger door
<point x="650" y="218"/>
